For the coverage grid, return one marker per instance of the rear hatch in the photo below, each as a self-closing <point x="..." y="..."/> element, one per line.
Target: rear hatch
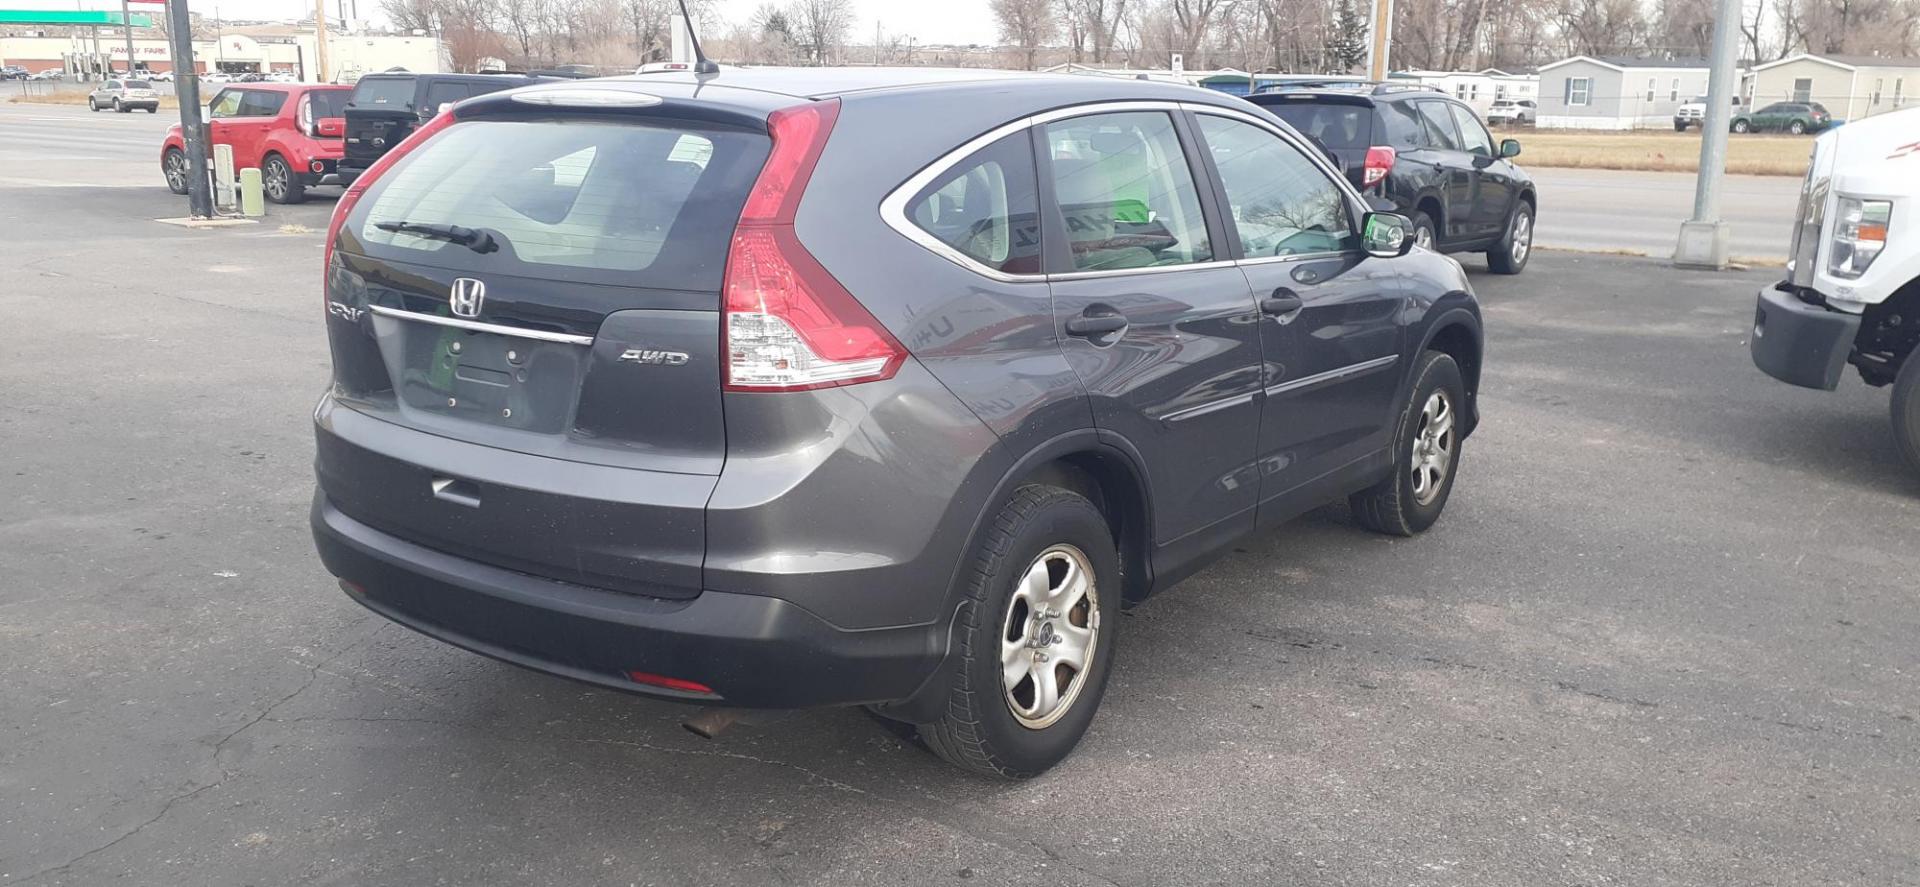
<point x="1342" y="124"/>
<point x="379" y="115"/>
<point x="580" y="326"/>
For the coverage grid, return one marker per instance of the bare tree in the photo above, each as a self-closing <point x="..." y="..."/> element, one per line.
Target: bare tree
<point x="1093" y="25"/>
<point x="820" y="27"/>
<point x="1026" y="24"/>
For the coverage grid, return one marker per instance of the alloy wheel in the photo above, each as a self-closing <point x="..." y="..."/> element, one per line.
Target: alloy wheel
<point x="1522" y="236"/>
<point x="1048" y="636"/>
<point x="276" y="179"/>
<point x="176" y="170"/>
<point x="1423" y="237"/>
<point x="1433" y="448"/>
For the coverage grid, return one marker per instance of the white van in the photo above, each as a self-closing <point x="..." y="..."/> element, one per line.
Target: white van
<point x="1852" y="293"/>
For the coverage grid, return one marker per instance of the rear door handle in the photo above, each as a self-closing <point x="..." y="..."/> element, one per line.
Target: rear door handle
<point x="1283" y="304"/>
<point x="1088" y="326"/>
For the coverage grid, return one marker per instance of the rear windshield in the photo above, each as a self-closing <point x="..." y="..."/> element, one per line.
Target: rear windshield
<point x="383" y="92"/>
<point x="617" y="203"/>
<point x="139" y="84"/>
<point x="328" y="102"/>
<point x="1336" y="126"/>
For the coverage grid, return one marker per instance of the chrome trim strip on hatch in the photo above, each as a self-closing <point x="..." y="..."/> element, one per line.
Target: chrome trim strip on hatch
<point x="1341" y="374"/>
<point x="478" y="327"/>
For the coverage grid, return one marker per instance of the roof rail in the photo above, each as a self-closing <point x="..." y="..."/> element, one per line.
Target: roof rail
<point x="1375" y="87"/>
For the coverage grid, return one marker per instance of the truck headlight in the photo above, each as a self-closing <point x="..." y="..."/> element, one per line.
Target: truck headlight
<point x="1859" y="234"/>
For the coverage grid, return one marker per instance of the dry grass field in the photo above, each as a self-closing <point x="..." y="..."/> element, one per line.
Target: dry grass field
<point x="1765" y="155"/>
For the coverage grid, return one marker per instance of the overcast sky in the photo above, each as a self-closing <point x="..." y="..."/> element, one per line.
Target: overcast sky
<point x="928" y="21"/>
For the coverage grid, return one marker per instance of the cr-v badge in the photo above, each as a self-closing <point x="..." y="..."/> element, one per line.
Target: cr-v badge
<point x="656" y="358"/>
<point x="466" y="296"/>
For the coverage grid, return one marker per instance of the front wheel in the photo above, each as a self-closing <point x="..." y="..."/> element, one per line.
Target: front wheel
<point x="1036" y="637"/>
<point x="1797" y="128"/>
<point x="1679" y="126"/>
<point x="153" y="109"/>
<point x="1510" y="255"/>
<point x="1426" y="453"/>
<point x="92" y="105"/>
<point x="1906" y="411"/>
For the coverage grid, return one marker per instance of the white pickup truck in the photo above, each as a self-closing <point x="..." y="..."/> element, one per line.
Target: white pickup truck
<point x="1852" y="293"/>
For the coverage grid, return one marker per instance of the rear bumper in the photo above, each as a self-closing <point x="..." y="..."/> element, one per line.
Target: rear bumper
<point x="753" y="651"/>
<point x="1801" y="344"/>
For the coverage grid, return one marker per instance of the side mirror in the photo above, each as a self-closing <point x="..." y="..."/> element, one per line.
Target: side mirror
<point x="331" y="127"/>
<point x="1509" y="147"/>
<point x="1387" y="235"/>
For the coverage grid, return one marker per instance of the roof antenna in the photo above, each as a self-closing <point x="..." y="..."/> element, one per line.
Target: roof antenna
<point x="701" y="64"/>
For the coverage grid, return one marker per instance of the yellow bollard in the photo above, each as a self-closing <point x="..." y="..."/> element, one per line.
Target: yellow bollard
<point x="252" y="205"/>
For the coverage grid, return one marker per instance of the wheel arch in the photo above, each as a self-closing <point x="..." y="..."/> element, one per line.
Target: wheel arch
<point x="1458" y="335"/>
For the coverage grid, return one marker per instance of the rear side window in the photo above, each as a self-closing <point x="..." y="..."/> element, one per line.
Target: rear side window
<point x="623" y="204"/>
<point x="260" y="103"/>
<point x="987" y="207"/>
<point x="1336" y="126"/>
<point x="383" y="92"/>
<point x="1125" y="192"/>
<point x="444" y="92"/>
<point x="328" y="102"/>
<point x="1440" y="131"/>
<point x="1405" y="130"/>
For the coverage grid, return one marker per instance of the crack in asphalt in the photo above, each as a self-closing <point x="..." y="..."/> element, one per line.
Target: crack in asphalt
<point x="313" y="674"/>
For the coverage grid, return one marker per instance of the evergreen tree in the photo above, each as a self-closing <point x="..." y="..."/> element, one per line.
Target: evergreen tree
<point x="1347" y="47"/>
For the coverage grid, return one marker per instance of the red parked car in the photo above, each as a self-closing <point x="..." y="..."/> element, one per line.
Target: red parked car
<point x="290" y="131"/>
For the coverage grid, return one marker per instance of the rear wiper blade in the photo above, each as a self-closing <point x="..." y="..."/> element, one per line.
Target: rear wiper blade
<point x="474" y="239"/>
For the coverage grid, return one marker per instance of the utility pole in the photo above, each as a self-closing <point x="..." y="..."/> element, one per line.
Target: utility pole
<point x="320" y="39"/>
<point x="1380" y="39"/>
<point x="186" y="87"/>
<point x="1703" y="239"/>
<point x="126" y="27"/>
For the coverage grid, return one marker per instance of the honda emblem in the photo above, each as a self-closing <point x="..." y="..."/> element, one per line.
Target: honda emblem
<point x="466" y="297"/>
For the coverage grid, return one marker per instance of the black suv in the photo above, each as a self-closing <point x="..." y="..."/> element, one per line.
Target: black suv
<point x="785" y="388"/>
<point x="386" y="107"/>
<point x="1427" y="153"/>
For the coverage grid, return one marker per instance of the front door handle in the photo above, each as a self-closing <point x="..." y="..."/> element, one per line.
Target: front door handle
<point x="1284" y="303"/>
<point x="1088" y="326"/>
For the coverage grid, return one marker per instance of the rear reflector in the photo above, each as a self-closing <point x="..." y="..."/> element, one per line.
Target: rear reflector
<point x="656" y="680"/>
<point x="790" y="325"/>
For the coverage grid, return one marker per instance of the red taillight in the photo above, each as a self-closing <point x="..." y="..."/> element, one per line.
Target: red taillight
<point x="790" y="326"/>
<point x="660" y="680"/>
<point x="352" y="194"/>
<point x="1379" y="162"/>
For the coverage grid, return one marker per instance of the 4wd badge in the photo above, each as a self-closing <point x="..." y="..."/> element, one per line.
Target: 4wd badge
<point x="655" y="358"/>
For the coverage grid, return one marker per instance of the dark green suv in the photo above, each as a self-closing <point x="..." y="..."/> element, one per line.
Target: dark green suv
<point x="1794" y="117"/>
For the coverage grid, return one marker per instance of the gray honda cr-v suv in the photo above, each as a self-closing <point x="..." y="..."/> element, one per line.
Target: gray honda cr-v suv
<point x="786" y="388"/>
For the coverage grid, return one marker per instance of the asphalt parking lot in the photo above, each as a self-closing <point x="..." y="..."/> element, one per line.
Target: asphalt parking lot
<point x="1664" y="634"/>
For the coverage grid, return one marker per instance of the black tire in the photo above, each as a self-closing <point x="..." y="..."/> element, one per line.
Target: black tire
<point x="119" y="108"/>
<point x="979" y="730"/>
<point x="1741" y="126"/>
<point x="1797" y="128"/>
<point x="153" y="109"/>
<point x="1423" y="225"/>
<point x="173" y="166"/>
<point x="1394" y="506"/>
<point x="1679" y="126"/>
<point x="1906" y="410"/>
<point x="1510" y="254"/>
<point x="93" y="105"/>
<point x="287" y="187"/>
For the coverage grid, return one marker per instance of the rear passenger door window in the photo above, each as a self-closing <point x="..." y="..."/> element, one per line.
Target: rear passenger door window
<point x="986" y="207"/>
<point x="1440" y="130"/>
<point x="1125" y="192"/>
<point x="1278" y="201"/>
<point x="260" y="103"/>
<point x="1406" y="131"/>
<point x="444" y="93"/>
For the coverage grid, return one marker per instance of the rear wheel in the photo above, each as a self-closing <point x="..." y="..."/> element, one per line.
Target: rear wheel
<point x="1426" y="454"/>
<point x="153" y="109"/>
<point x="173" y="165"/>
<point x="1510" y="254"/>
<point x="1036" y="637"/>
<point x="1423" y="231"/>
<point x="118" y="107"/>
<point x="280" y="182"/>
<point x="1906" y="410"/>
<point x="1741" y="126"/>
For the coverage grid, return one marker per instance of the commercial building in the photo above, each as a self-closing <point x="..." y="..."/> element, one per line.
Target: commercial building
<point x="260" y="48"/>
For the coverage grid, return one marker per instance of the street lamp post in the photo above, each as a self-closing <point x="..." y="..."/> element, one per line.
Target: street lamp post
<point x="1703" y="239"/>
